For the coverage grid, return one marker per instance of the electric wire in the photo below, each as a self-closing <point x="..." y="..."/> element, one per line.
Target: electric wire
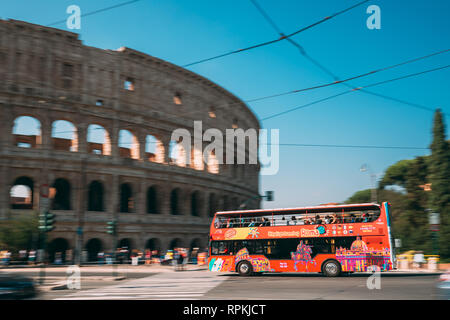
<point x="283" y="37"/>
<point x="328" y="71"/>
<point x="95" y="12"/>
<point x="352" y="90"/>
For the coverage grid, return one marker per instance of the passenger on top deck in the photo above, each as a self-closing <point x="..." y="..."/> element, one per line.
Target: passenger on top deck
<point x="264" y="222"/>
<point x="294" y="220"/>
<point x="318" y="220"/>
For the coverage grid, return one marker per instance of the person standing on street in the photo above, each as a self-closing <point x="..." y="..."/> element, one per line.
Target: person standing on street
<point x="176" y="258"/>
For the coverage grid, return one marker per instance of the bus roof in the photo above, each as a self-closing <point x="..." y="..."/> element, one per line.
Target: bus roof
<point x="313" y="209"/>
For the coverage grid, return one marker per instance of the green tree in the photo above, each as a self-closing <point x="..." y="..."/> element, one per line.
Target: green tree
<point x="414" y="223"/>
<point x="409" y="217"/>
<point x="396" y="174"/>
<point x="18" y="234"/>
<point x="416" y="176"/>
<point x="362" y="196"/>
<point x="439" y="169"/>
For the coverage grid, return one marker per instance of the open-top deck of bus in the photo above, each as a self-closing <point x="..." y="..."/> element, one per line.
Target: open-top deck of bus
<point x="317" y="215"/>
<point x="306" y="210"/>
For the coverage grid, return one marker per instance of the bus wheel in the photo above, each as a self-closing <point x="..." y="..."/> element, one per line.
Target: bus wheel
<point x="331" y="268"/>
<point x="244" y="268"/>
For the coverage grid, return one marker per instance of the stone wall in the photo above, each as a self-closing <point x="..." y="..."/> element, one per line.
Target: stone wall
<point x="49" y="75"/>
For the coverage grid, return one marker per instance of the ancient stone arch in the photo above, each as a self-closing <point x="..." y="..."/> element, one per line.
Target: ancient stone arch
<point x="84" y="85"/>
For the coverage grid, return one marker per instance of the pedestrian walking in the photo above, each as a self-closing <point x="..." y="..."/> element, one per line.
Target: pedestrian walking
<point x="32" y="257"/>
<point x="23" y="256"/>
<point x="176" y="258"/>
<point x="148" y="256"/>
<point x="184" y="258"/>
<point x="101" y="258"/>
<point x="7" y="257"/>
<point x="3" y="257"/>
<point x="194" y="254"/>
<point x="419" y="259"/>
<point x="58" y="259"/>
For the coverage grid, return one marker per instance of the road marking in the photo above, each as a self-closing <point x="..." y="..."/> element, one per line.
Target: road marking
<point x="166" y="285"/>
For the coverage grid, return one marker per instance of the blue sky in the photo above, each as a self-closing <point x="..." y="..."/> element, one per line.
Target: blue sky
<point x="185" y="31"/>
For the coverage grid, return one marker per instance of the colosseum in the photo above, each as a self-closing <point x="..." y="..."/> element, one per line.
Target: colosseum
<point x="95" y="126"/>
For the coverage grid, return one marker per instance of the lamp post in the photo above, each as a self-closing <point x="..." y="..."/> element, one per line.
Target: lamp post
<point x="373" y="193"/>
<point x="81" y="210"/>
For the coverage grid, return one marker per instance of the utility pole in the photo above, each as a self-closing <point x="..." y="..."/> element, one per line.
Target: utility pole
<point x="81" y="211"/>
<point x="373" y="178"/>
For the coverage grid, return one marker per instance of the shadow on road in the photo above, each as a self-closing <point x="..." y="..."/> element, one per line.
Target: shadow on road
<point x="344" y="275"/>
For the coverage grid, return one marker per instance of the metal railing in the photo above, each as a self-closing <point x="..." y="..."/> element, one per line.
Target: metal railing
<point x="273" y="221"/>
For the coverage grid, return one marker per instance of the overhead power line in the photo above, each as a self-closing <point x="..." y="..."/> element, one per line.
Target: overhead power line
<point x="328" y="71"/>
<point x="333" y="146"/>
<point x="292" y="41"/>
<point x="302" y="50"/>
<point x="344" y="82"/>
<point x="353" y="90"/>
<point x="347" y="146"/>
<point x="349" y="79"/>
<point x="96" y="11"/>
<point x="283" y="37"/>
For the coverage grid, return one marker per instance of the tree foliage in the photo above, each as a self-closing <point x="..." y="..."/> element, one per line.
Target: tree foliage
<point x="396" y="174"/>
<point x="439" y="176"/>
<point x="18" y="234"/>
<point x="410" y="210"/>
<point x="362" y="196"/>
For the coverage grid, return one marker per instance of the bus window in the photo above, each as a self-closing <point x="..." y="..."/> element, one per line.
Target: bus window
<point x="344" y="242"/>
<point x="321" y="246"/>
<point x="259" y="248"/>
<point x="374" y="216"/>
<point x="214" y="248"/>
<point x="223" y="248"/>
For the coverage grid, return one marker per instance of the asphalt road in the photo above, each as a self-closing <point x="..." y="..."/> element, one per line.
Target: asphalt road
<point x="164" y="283"/>
<point x="316" y="287"/>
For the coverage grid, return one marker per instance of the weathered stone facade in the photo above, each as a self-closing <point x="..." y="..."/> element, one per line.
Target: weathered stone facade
<point x="49" y="75"/>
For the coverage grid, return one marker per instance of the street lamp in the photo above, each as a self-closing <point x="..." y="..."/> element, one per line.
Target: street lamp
<point x="373" y="194"/>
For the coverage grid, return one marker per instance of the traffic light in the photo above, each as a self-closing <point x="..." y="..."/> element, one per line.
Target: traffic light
<point x="46" y="221"/>
<point x="269" y="195"/>
<point x="111" y="227"/>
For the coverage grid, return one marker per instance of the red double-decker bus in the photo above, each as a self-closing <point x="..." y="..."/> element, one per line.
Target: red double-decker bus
<point x="330" y="239"/>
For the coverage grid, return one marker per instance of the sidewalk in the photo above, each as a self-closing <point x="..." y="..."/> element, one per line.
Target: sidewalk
<point x="412" y="271"/>
<point x="105" y="268"/>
